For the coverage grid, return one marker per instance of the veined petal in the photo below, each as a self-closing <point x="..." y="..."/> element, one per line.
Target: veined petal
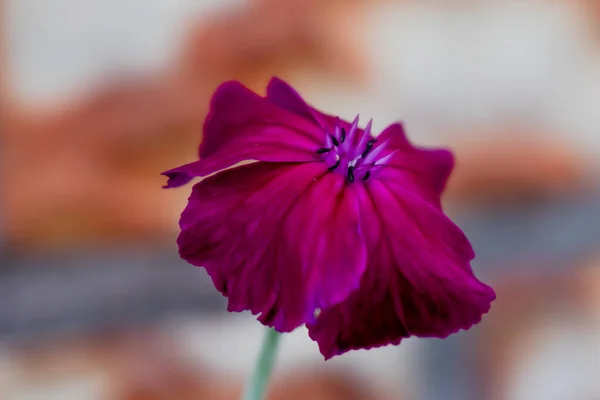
<point x="426" y="216"/>
<point x="282" y="94"/>
<point x="239" y="116"/>
<point x="418" y="280"/>
<point x="328" y="245"/>
<point x="256" y="231"/>
<point x="242" y="125"/>
<point x="425" y="171"/>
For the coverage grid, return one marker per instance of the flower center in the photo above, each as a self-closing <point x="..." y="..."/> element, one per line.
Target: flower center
<point x="352" y="153"/>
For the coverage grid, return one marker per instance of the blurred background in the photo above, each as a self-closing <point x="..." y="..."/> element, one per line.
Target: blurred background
<point x="100" y="96"/>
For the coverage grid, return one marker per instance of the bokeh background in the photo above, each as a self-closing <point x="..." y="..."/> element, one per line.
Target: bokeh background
<point x="99" y="96"/>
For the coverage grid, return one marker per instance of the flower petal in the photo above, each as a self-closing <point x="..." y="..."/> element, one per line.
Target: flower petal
<point x="328" y="244"/>
<point x="425" y="171"/>
<point x="242" y="125"/>
<point x="282" y="94"/>
<point x="418" y="281"/>
<point x="281" y="258"/>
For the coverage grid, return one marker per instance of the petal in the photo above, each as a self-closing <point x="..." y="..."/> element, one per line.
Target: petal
<point x="285" y="96"/>
<point x="429" y="218"/>
<point x="239" y="118"/>
<point x="425" y="171"/>
<point x="418" y="280"/>
<point x="181" y="175"/>
<point x="276" y="239"/>
<point x="241" y="126"/>
<point x="328" y="244"/>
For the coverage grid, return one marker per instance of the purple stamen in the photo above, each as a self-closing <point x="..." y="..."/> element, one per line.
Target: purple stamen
<point x="342" y="150"/>
<point x="363" y="140"/>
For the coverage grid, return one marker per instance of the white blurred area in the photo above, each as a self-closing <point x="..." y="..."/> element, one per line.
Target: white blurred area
<point x="230" y="345"/>
<point x="61" y="48"/>
<point x="467" y="74"/>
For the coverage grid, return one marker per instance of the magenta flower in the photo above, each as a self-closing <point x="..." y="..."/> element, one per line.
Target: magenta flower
<point x="328" y="226"/>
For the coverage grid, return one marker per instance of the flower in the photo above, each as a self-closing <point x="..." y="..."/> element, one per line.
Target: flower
<point x="328" y="226"/>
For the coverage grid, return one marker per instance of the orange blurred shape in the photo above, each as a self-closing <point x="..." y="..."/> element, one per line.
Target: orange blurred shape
<point x="265" y="38"/>
<point x="324" y="386"/>
<point x="92" y="169"/>
<point x="590" y="10"/>
<point x="516" y="167"/>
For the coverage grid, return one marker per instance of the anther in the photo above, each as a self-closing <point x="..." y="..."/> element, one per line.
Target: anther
<point x="368" y="147"/>
<point x="334" y="166"/>
<point x="351" y="173"/>
<point x="323" y="150"/>
<point x="334" y="140"/>
<point x="343" y="135"/>
<point x="367" y="175"/>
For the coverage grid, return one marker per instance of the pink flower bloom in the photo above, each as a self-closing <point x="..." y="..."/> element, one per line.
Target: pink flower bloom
<point x="328" y="227"/>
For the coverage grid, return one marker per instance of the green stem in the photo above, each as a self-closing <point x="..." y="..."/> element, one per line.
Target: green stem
<point x="256" y="387"/>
